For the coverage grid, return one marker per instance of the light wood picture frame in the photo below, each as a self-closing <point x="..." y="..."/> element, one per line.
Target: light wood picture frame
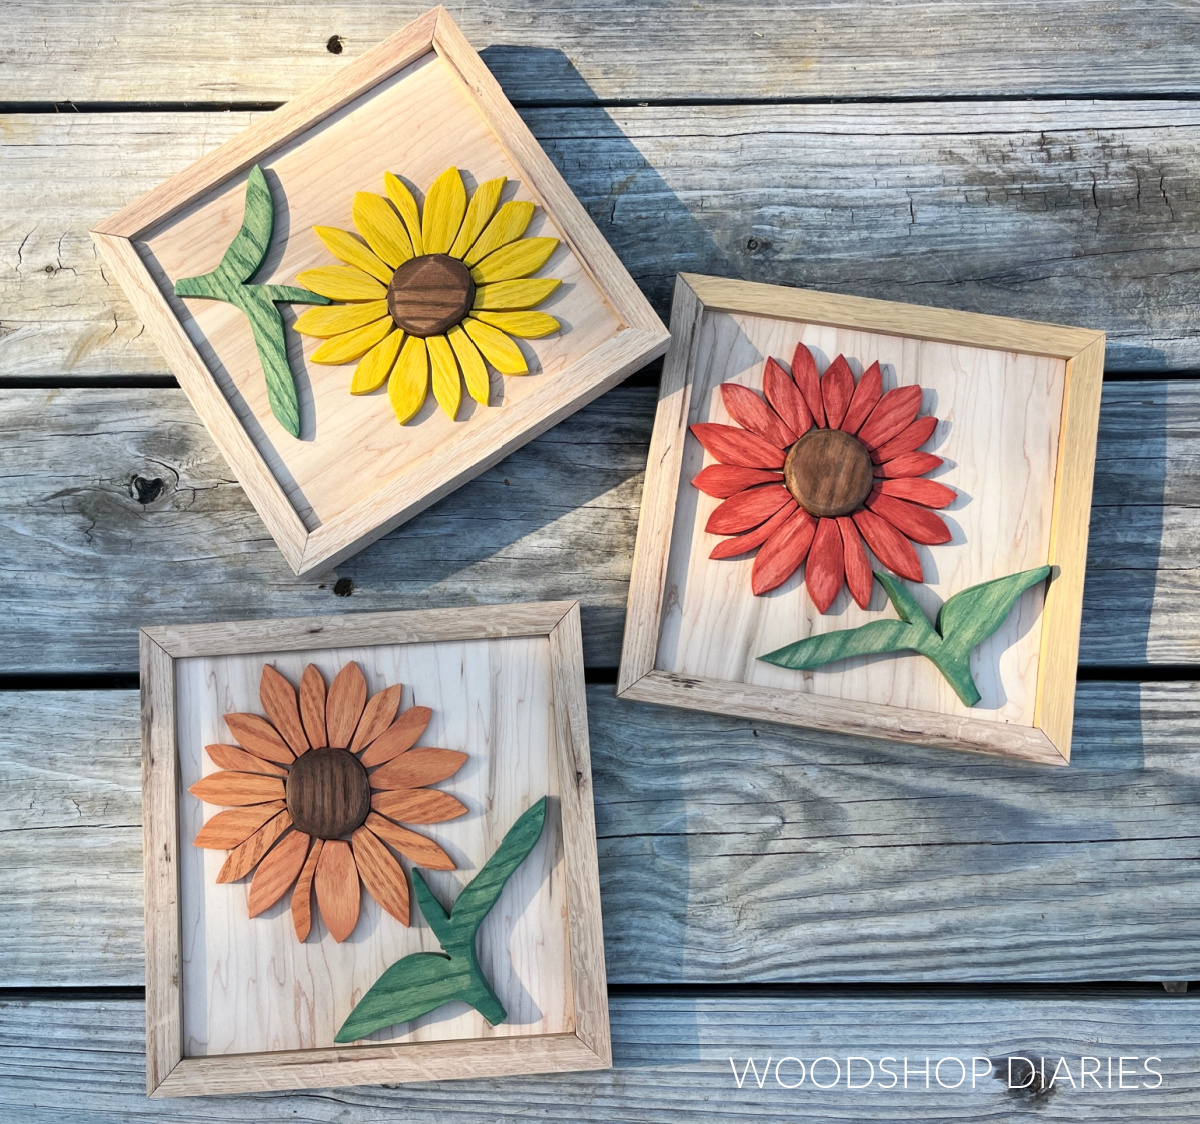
<point x="238" y="1005"/>
<point x="418" y="103"/>
<point x="1022" y="398"/>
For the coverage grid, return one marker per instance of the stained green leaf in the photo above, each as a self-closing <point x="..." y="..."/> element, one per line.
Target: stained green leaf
<point x="968" y="618"/>
<point x="871" y="639"/>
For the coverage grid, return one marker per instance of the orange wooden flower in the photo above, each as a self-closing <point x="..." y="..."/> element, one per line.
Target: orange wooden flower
<point x="821" y="470"/>
<point x="315" y="793"/>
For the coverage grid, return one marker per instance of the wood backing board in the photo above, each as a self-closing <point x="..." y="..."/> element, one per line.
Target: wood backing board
<point x="420" y="102"/>
<point x="1018" y="404"/>
<point x="240" y="1001"/>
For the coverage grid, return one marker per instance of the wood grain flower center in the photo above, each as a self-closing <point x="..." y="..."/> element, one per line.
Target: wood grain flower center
<point x="328" y="794"/>
<point x="829" y="472"/>
<point x="429" y="294"/>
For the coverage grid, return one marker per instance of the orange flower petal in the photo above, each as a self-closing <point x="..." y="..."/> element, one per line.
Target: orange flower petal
<point x="244" y="858"/>
<point x="859" y="578"/>
<point x="783" y="553"/>
<point x="804" y="375"/>
<point x="895" y="410"/>
<point x="752" y="413"/>
<point x="344" y="707"/>
<point x="889" y="545"/>
<point x="740" y="544"/>
<point x="826" y="566"/>
<point x="302" y="894"/>
<point x="911" y="437"/>
<point x="422" y="851"/>
<point x="381" y="874"/>
<point x="747" y="510"/>
<point x="259" y="737"/>
<point x="418" y="767"/>
<point x="786" y="399"/>
<point x="866" y="398"/>
<point x="399" y="736"/>
<point x="417" y="805"/>
<point x="723" y="480"/>
<point x="918" y="523"/>
<point x="927" y="492"/>
<point x="909" y="464"/>
<point x="278" y="698"/>
<point x="377" y="717"/>
<point x="731" y="445"/>
<point x="277" y="872"/>
<point x="338" y="893"/>
<point x="837" y="389"/>
<point x="227" y="830"/>
<point x="233" y="757"/>
<point x="312" y="706"/>
<point x="230" y="789"/>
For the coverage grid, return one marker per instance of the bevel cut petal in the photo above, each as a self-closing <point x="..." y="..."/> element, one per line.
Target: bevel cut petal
<point x="837" y="389"/>
<point x="237" y="759"/>
<point x="783" y="553"/>
<point x="417" y="805"/>
<point x="514" y="295"/>
<point x="402" y="199"/>
<point x="889" y="545"/>
<point x="909" y="464"/>
<point x="474" y="369"/>
<point x="353" y="252"/>
<point x="526" y="325"/>
<point x="277" y="873"/>
<point x="866" y="398"/>
<point x="896" y="409"/>
<point x="380" y="226"/>
<point x="724" y="480"/>
<point x="378" y="715"/>
<point x="785" y="398"/>
<point x="418" y="767"/>
<point x="381" y="874"/>
<point x="859" y="578"/>
<point x="257" y="735"/>
<point x="479" y="213"/>
<point x="234" y="789"/>
<point x="420" y="850"/>
<point x="826" y="567"/>
<point x="517" y="259"/>
<point x="227" y="830"/>
<point x="752" y="413"/>
<point x="312" y="706"/>
<point x="338" y="893"/>
<point x="804" y="375"/>
<point x="374" y="368"/>
<point x="278" y="698"/>
<point x="740" y="544"/>
<point x="747" y="510"/>
<point x="928" y="493"/>
<point x="399" y="736"/>
<point x="496" y="347"/>
<point x="909" y="438"/>
<point x="302" y="894"/>
<point x="507" y="226"/>
<point x="352" y="345"/>
<point x="445" y="206"/>
<point x="248" y="854"/>
<point x="327" y="320"/>
<point x="342" y="283"/>
<point x="443" y="370"/>
<point x="918" y="523"/>
<point x="344" y="706"/>
<point x="409" y="381"/>
<point x="731" y="445"/>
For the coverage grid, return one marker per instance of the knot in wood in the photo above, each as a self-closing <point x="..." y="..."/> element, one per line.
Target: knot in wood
<point x="328" y="793"/>
<point x="429" y="294"/>
<point x="829" y="472"/>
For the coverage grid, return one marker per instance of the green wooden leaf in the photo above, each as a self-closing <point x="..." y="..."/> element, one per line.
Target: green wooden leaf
<point x="869" y="639"/>
<point x="968" y="618"/>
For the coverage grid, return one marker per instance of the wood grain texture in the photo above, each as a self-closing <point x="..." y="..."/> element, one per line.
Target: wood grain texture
<point x="1011" y="208"/>
<point x="337" y="890"/>
<point x="112" y="485"/>
<point x="671" y="1060"/>
<point x="879" y="862"/>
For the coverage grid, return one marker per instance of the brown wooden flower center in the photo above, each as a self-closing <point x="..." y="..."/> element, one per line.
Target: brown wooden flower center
<point x="429" y="294"/>
<point x="328" y="794"/>
<point x="829" y="472"/>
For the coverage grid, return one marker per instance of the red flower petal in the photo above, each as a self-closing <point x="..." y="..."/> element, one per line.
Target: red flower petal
<point x="837" y="388"/>
<point x="722" y="480"/>
<point x="889" y="545"/>
<point x="826" y="565"/>
<point x="909" y="464"/>
<point x="866" y="396"/>
<point x="910" y="438"/>
<point x="895" y="410"/>
<point x="731" y="445"/>
<point x="786" y="399"/>
<point x="742" y="543"/>
<point x="783" y="553"/>
<point x="918" y="523"/>
<point x="859" y="577"/>
<point x="752" y="413"/>
<point x="747" y="509"/>
<point x="804" y="375"/>
<point x="927" y="492"/>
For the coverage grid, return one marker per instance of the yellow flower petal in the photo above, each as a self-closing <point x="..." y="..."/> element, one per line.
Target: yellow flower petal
<point x="474" y="369"/>
<point x="327" y="320"/>
<point x="353" y="252"/>
<point x="508" y="225"/>
<point x="376" y="365"/>
<point x="497" y="348"/>
<point x="514" y="295"/>
<point x="527" y="325"/>
<point x="342" y="283"/>
<point x="517" y="259"/>
<point x="402" y="199"/>
<point x="410" y="379"/>
<point x="379" y="225"/>
<point x="353" y="344"/>
<point x="479" y="210"/>
<point x="445" y="204"/>
<point x="447" y="386"/>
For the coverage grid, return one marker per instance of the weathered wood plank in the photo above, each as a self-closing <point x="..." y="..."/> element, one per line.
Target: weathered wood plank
<point x="672" y="1055"/>
<point x="116" y="511"/>
<point x="1080" y="212"/>
<point x="256" y="50"/>
<point x="737" y="852"/>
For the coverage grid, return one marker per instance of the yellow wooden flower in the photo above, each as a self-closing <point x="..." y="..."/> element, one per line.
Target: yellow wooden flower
<point x="432" y="295"/>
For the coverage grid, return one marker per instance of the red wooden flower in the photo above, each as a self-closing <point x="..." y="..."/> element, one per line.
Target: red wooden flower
<point x="820" y="471"/>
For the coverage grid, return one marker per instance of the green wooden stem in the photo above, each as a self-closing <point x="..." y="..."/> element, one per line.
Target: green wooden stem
<point x="963" y="623"/>
<point x="229" y="282"/>
<point x="423" y="981"/>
